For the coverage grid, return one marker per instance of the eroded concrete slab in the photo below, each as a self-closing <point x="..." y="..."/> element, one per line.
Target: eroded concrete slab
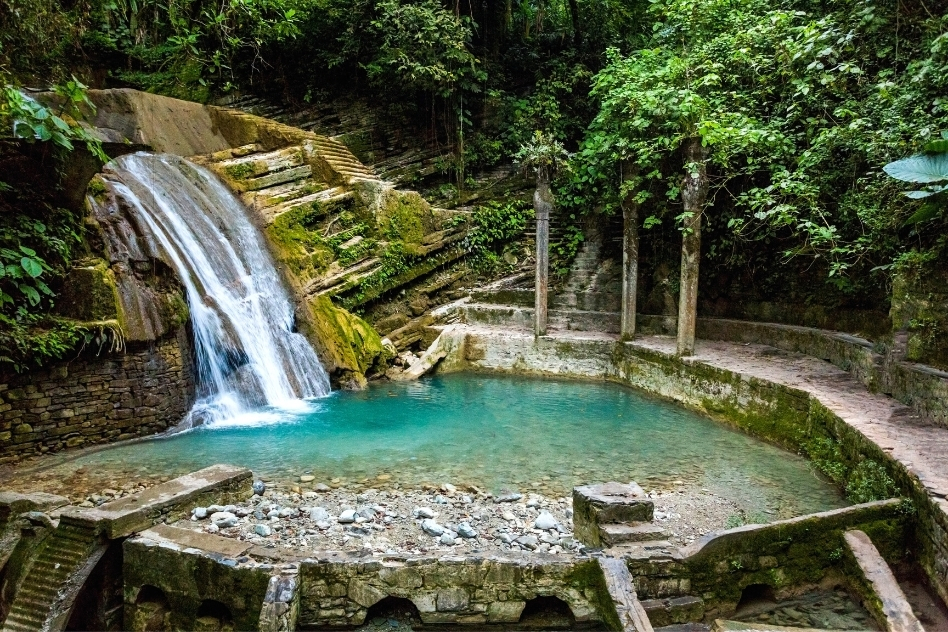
<point x="886" y="598"/>
<point x="168" y="501"/>
<point x="185" y="538"/>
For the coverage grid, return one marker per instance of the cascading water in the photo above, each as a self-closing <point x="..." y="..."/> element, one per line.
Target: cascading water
<point x="247" y="353"/>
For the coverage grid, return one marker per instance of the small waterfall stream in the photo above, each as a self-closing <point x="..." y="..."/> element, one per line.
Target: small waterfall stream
<point x="247" y="352"/>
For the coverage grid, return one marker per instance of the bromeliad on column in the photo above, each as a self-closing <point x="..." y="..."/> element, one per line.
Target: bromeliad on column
<point x="546" y="155"/>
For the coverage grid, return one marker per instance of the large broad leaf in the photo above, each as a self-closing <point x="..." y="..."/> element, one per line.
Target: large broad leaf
<point x="937" y="146"/>
<point x="921" y="168"/>
<point x="927" y="212"/>
<point x="31" y="267"/>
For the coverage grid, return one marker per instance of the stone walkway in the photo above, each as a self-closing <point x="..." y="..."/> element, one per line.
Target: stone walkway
<point x="921" y="446"/>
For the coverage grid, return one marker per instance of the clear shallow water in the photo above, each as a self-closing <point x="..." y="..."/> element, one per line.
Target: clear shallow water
<point x="495" y="432"/>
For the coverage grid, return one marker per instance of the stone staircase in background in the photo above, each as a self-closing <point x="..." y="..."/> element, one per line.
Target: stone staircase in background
<point x="581" y="273"/>
<point x="64" y="561"/>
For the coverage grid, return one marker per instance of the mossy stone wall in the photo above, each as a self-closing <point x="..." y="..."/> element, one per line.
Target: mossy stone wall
<point x="96" y="398"/>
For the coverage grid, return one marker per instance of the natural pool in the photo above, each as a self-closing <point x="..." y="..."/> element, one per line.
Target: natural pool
<point x="496" y="432"/>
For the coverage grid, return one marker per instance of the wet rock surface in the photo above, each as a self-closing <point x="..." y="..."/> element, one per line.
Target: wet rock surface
<point x="828" y="610"/>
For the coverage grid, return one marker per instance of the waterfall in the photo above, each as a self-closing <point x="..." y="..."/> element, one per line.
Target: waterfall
<point x="247" y="352"/>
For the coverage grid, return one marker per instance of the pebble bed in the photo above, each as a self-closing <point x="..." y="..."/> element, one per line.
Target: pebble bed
<point x="444" y="519"/>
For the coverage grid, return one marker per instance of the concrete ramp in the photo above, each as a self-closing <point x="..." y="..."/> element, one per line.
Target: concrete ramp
<point x="882" y="594"/>
<point x="630" y="615"/>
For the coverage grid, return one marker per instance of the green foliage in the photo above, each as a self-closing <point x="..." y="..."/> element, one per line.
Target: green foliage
<point x="864" y="482"/>
<point x="29" y="120"/>
<point x="184" y="47"/>
<point x="799" y="106"/>
<point x="396" y="260"/>
<point x="423" y="46"/>
<point x="542" y="151"/>
<point x="930" y="168"/>
<point x="37" y="238"/>
<point x="496" y="223"/>
<point x="492" y="226"/>
<point x="869" y="481"/>
<point x="564" y="250"/>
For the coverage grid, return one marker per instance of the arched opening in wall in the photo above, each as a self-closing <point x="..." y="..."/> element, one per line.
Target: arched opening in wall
<point x="756" y="596"/>
<point x="394" y="609"/>
<point x="150" y="612"/>
<point x="547" y="613"/>
<point x="213" y="616"/>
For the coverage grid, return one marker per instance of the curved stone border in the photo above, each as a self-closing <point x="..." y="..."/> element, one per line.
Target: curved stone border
<point x="783" y="397"/>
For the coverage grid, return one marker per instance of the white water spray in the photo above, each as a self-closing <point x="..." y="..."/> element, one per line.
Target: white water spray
<point x="248" y="354"/>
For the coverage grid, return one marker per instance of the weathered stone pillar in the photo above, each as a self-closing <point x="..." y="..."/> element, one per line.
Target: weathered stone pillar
<point x="281" y="605"/>
<point x="694" y="192"/>
<point x="630" y="253"/>
<point x="542" y="204"/>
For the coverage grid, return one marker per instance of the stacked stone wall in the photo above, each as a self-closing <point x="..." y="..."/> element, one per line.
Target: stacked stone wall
<point x="448" y="591"/>
<point x="96" y="398"/>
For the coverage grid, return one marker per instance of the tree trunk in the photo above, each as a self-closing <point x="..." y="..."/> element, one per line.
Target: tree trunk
<point x="542" y="204"/>
<point x="577" y="30"/>
<point x="630" y="253"/>
<point x="694" y="193"/>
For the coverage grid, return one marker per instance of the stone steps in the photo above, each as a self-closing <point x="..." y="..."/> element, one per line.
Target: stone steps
<point x="581" y="273"/>
<point x="674" y="610"/>
<point x="46" y="593"/>
<point x="621" y="533"/>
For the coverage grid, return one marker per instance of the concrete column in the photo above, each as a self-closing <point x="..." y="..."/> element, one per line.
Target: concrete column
<point x="630" y="254"/>
<point x="694" y="193"/>
<point x="542" y="204"/>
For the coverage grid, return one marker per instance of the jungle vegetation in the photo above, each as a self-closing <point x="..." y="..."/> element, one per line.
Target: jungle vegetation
<point x="788" y="110"/>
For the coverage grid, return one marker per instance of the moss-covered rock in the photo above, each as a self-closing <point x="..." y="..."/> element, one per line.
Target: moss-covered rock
<point x="90" y="293"/>
<point x="399" y="215"/>
<point x="295" y="244"/>
<point x="920" y="307"/>
<point x="347" y="345"/>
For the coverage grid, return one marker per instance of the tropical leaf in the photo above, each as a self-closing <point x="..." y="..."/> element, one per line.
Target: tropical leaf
<point x="939" y="146"/>
<point x="921" y="168"/>
<point x="31" y="267"/>
<point x="31" y="294"/>
<point x="927" y="212"/>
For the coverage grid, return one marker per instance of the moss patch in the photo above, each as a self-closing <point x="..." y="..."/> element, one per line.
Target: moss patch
<point x="90" y="293"/>
<point x="304" y="251"/>
<point x="347" y="345"/>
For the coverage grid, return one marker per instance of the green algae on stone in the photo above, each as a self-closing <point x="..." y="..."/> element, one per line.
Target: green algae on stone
<point x="90" y="293"/>
<point x="347" y="345"/>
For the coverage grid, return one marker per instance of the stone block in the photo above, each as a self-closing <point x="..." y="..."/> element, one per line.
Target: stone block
<point x="505" y="611"/>
<point x="607" y="503"/>
<point x="425" y="602"/>
<point x="364" y="593"/>
<point x="401" y="576"/>
<point x="452" y="600"/>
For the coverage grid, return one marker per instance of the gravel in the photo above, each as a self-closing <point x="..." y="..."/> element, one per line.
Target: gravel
<point x="404" y="521"/>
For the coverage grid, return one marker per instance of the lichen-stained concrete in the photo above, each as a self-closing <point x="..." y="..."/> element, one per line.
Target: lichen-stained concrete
<point x="885" y="597"/>
<point x="166" y="502"/>
<point x="787" y="398"/>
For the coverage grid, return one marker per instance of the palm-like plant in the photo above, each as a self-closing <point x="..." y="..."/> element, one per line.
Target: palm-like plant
<point x="929" y="168"/>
